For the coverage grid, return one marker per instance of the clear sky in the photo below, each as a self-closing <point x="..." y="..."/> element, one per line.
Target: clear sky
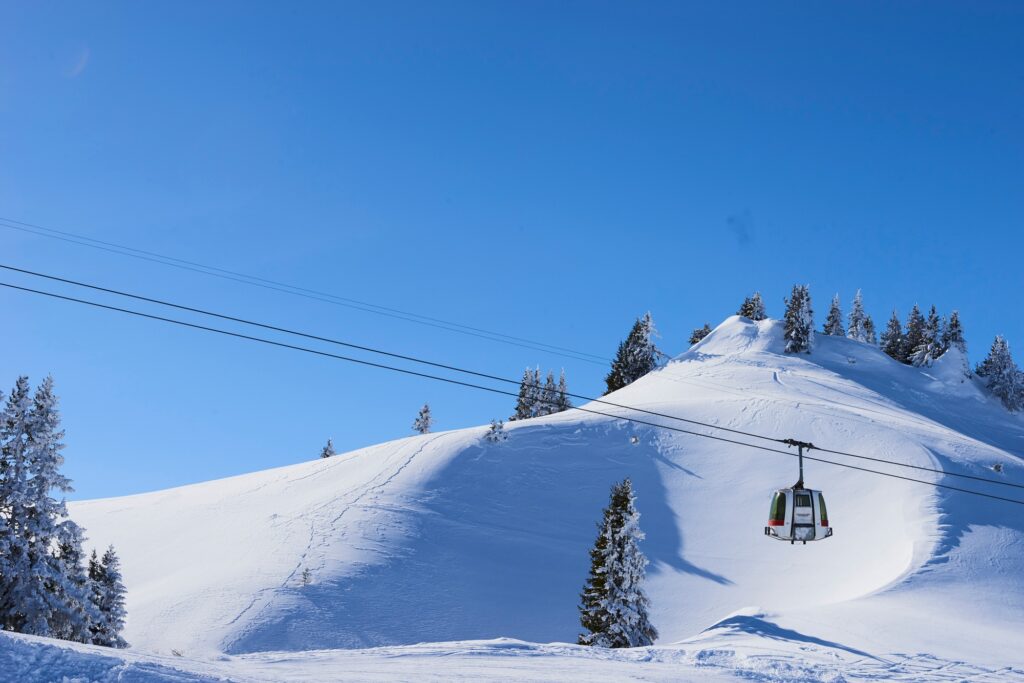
<point x="546" y="170"/>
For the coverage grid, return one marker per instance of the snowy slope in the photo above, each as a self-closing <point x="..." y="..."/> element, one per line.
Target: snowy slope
<point x="444" y="537"/>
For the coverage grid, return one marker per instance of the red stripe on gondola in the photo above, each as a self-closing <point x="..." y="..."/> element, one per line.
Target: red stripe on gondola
<point x="824" y="522"/>
<point x="776" y="522"/>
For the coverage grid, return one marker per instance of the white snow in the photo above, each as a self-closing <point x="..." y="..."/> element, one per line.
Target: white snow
<point x="448" y="539"/>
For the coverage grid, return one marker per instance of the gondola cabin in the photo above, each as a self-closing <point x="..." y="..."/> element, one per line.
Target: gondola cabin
<point x="798" y="514"/>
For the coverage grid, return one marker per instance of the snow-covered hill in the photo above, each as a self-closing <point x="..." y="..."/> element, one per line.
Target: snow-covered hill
<point x="445" y="537"/>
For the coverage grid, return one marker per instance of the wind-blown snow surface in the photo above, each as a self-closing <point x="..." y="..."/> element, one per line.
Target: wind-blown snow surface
<point x="445" y="537"/>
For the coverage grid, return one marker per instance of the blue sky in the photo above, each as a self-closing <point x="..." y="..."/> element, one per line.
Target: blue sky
<point x="548" y="170"/>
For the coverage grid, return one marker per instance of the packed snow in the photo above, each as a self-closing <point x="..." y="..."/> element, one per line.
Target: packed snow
<point x="450" y="556"/>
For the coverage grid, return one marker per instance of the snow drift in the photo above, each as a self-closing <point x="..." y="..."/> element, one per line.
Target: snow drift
<point x="447" y="537"/>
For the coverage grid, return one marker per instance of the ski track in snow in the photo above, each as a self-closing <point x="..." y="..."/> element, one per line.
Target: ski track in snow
<point x="330" y="531"/>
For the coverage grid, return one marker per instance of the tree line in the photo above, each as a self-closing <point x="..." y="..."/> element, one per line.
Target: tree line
<point x="47" y="588"/>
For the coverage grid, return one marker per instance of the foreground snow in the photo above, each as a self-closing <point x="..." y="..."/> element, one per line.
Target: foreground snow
<point x="445" y="537"/>
<point x="720" y="655"/>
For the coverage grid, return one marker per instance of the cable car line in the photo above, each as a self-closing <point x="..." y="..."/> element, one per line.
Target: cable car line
<point x="496" y="378"/>
<point x="295" y="290"/>
<point x="449" y="380"/>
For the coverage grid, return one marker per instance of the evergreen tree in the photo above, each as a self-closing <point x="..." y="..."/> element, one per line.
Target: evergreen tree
<point x="108" y="599"/>
<point x="636" y="356"/>
<point x="614" y="606"/>
<point x="1001" y="374"/>
<point x="77" y="622"/>
<point x="563" y="403"/>
<point x="834" y="321"/>
<point x="423" y="420"/>
<point x="752" y="307"/>
<point x="699" y="334"/>
<point x="328" y="450"/>
<point x="757" y="308"/>
<point x="14" y="499"/>
<point x="913" y="335"/>
<point x="929" y="348"/>
<point x="547" y="401"/>
<point x="953" y="334"/>
<point x="525" y="400"/>
<point x="892" y="338"/>
<point x="496" y="432"/>
<point x="858" y="330"/>
<point x="798" y="323"/>
<point x="41" y="590"/>
<point x="746" y="308"/>
<point x="869" y="331"/>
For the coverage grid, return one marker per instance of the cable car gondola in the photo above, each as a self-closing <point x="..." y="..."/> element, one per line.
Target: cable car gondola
<point x="798" y="513"/>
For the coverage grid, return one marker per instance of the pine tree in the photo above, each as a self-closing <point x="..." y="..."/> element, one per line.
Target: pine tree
<point x="858" y="330"/>
<point x="698" y="334"/>
<point x="14" y="499"/>
<point x="77" y="622"/>
<point x="953" y="334"/>
<point x="614" y="606"/>
<point x="41" y="591"/>
<point x="798" y="323"/>
<point x="496" y="432"/>
<point x="524" y="401"/>
<point x="547" y="401"/>
<point x="562" y="403"/>
<point x="757" y="308"/>
<point x="636" y="356"/>
<point x="746" y="308"/>
<point x="108" y="598"/>
<point x="892" y="338"/>
<point x="752" y="308"/>
<point x="423" y="420"/>
<point x="913" y="335"/>
<point x="328" y="450"/>
<point x="834" y="321"/>
<point x="869" y="331"/>
<point x="1001" y="375"/>
<point x="929" y="348"/>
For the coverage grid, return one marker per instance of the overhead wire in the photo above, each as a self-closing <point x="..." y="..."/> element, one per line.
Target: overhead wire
<point x="493" y="390"/>
<point x="294" y="290"/>
<point x="481" y="375"/>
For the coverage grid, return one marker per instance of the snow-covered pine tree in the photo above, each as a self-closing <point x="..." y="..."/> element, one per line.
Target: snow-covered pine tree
<point x="913" y="335"/>
<point x="496" y="432"/>
<point x="931" y="339"/>
<point x="524" y="401"/>
<point x="757" y="311"/>
<point x="834" y="322"/>
<point x="547" y="401"/>
<point x="699" y="334"/>
<point x="614" y="606"/>
<point x="752" y="307"/>
<point x="869" y="330"/>
<point x="857" y="329"/>
<point x="892" y="338"/>
<point x="76" y="623"/>
<point x="563" y="403"/>
<point x="423" y="420"/>
<point x="798" y="323"/>
<point x="328" y="449"/>
<point x="746" y="308"/>
<point x="1001" y="375"/>
<point x="953" y="334"/>
<point x="48" y="526"/>
<point x="13" y="500"/>
<point x="108" y="598"/>
<point x="636" y="356"/>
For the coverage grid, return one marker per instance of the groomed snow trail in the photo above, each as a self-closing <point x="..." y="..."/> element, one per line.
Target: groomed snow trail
<point x="445" y="537"/>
